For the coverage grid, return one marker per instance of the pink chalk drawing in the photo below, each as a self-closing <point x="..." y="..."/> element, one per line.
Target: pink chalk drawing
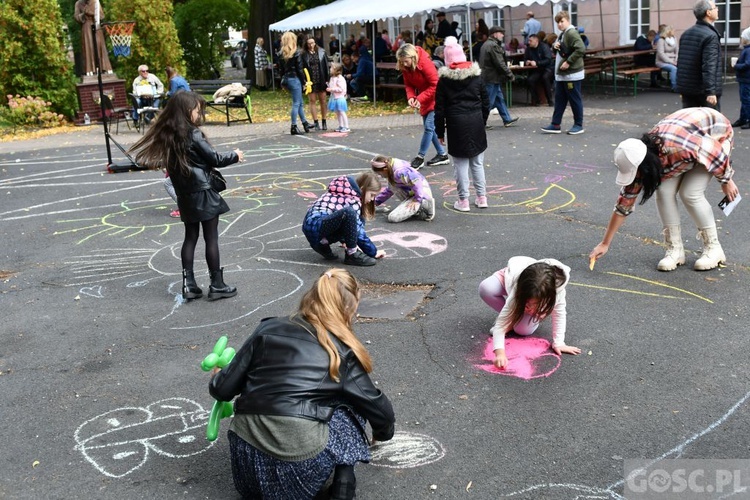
<point x="528" y="358"/>
<point x="408" y="245"/>
<point x="307" y="195"/>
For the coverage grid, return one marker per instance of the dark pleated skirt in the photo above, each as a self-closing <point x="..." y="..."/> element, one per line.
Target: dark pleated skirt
<point x="258" y="475"/>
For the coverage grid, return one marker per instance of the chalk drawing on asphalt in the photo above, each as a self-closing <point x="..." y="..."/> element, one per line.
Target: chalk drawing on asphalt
<point x="406" y="450"/>
<point x="528" y="358"/>
<point x="120" y="441"/>
<point x="568" y="490"/>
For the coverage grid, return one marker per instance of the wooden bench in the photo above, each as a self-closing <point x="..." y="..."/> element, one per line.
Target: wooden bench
<point x="239" y="102"/>
<point x="391" y="91"/>
<point x="635" y="72"/>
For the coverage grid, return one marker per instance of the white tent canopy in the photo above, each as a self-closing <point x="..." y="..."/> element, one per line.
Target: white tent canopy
<point x="351" y="11"/>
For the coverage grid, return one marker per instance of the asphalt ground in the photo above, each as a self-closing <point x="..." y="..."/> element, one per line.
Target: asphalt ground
<point x="103" y="396"/>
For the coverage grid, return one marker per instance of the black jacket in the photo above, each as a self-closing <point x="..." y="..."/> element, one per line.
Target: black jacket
<point x="322" y="68"/>
<point x="195" y="198"/>
<point x="542" y="55"/>
<point x="283" y="370"/>
<point x="699" y="66"/>
<point x="293" y="67"/>
<point x="462" y="106"/>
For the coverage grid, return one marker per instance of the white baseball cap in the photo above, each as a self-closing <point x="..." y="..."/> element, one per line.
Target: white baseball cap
<point x="628" y="155"/>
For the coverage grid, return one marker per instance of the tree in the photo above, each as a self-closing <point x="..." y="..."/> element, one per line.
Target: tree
<point x="34" y="54"/>
<point x="261" y="14"/>
<point x="154" y="40"/>
<point x="200" y="26"/>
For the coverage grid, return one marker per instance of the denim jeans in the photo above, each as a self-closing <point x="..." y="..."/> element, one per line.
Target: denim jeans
<point x="497" y="100"/>
<point x="745" y="102"/>
<point x="149" y="102"/>
<point x="672" y="74"/>
<point x="429" y="135"/>
<point x="568" y="92"/>
<point x="298" y="106"/>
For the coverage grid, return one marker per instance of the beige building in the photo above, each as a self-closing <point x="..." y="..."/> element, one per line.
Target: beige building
<point x="620" y="21"/>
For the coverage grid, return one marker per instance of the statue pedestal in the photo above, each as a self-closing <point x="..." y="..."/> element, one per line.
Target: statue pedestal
<point x="88" y="96"/>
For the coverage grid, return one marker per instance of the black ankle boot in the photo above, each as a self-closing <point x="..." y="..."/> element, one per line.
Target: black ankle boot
<point x="315" y="125"/>
<point x="344" y="483"/>
<point x="295" y="130"/>
<point x="190" y="289"/>
<point x="219" y="289"/>
<point x="324" y="125"/>
<point x="306" y="126"/>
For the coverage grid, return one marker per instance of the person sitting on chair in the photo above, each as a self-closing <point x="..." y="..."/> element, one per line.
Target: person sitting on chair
<point x="176" y="81"/>
<point x="147" y="89"/>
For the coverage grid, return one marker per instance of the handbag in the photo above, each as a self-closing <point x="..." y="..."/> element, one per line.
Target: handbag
<point x="217" y="181"/>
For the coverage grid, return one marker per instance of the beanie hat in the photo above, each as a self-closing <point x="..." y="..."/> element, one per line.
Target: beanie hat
<point x="454" y="53"/>
<point x="746" y="36"/>
<point x="628" y="156"/>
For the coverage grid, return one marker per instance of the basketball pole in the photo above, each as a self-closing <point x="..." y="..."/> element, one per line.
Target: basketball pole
<point x="111" y="166"/>
<point x="94" y="27"/>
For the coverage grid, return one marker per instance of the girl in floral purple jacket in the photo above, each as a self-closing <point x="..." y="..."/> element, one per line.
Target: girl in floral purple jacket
<point x="339" y="216"/>
<point x="409" y="186"/>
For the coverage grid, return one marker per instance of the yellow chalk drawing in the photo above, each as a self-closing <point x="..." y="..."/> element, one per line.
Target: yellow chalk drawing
<point x="649" y="294"/>
<point x="553" y="198"/>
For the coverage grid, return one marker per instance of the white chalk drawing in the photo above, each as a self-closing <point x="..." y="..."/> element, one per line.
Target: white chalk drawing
<point x="119" y="442"/>
<point x="92" y="291"/>
<point x="582" y="491"/>
<point x="406" y="450"/>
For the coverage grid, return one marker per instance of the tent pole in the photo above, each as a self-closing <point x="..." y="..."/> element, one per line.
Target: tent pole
<point x="374" y="68"/>
<point x="463" y="35"/>
<point x="270" y="46"/>
<point x="601" y="22"/>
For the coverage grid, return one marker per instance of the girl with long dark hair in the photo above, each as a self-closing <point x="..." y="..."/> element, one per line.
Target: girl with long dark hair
<point x="176" y="141"/>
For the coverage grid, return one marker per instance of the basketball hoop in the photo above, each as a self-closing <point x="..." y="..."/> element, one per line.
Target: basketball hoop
<point x="120" y="33"/>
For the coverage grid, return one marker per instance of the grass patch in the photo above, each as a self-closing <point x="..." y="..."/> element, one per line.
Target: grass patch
<point x="267" y="106"/>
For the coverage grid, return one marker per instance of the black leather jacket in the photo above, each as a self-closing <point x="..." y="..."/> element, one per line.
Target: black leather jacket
<point x="201" y="158"/>
<point x="293" y="67"/>
<point x="283" y="370"/>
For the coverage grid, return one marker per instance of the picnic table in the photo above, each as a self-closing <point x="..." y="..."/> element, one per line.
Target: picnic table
<point x="626" y="63"/>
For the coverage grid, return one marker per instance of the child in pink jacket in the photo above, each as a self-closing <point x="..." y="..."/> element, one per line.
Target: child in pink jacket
<point x="337" y="101"/>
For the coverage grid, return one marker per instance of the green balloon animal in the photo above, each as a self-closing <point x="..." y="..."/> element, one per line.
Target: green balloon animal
<point x="219" y="357"/>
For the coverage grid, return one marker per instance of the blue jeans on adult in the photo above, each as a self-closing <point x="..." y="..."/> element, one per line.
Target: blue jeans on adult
<point x="672" y="74"/>
<point x="429" y="135"/>
<point x="745" y="102"/>
<point x="298" y="106"/>
<point x="497" y="100"/>
<point x="568" y="92"/>
<point x="143" y="102"/>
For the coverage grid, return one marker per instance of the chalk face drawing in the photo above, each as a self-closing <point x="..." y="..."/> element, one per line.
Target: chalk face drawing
<point x="408" y="245"/>
<point x="406" y="450"/>
<point x="120" y="441"/>
<point x="528" y="358"/>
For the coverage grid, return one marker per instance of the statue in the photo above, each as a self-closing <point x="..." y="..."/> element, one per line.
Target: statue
<point x="85" y="12"/>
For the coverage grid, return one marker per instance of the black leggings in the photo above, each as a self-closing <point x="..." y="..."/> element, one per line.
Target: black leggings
<point x="210" y="237"/>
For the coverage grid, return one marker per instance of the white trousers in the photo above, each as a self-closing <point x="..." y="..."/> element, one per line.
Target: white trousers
<point x="691" y="186"/>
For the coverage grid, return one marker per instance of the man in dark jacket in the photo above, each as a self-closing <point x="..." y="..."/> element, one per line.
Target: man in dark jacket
<point x="539" y="56"/>
<point x="495" y="72"/>
<point x="699" y="71"/>
<point x="444" y="29"/>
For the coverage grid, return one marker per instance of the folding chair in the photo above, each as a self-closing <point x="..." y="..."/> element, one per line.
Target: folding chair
<point x="117" y="114"/>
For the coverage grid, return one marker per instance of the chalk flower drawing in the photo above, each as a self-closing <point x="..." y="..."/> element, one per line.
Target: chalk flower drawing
<point x="406" y="450"/>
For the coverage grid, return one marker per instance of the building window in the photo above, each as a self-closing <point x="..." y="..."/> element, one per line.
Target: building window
<point x="729" y="11"/>
<point x="494" y="18"/>
<point x="639" y="18"/>
<point x="572" y="10"/>
<point x="463" y="25"/>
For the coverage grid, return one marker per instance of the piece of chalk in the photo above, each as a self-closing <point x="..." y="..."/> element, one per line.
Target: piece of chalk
<point x="592" y="261"/>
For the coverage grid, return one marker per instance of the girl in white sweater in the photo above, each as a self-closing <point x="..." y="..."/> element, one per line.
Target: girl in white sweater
<point x="524" y="293"/>
<point x="337" y="101"/>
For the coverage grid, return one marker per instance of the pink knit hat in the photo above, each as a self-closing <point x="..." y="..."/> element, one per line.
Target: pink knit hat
<point x="453" y="51"/>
